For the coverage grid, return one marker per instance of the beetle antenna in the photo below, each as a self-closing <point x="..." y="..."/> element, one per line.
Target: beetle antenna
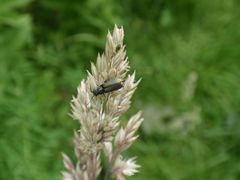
<point x="90" y="100"/>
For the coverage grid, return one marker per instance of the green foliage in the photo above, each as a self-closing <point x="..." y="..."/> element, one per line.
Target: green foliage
<point x="46" y="47"/>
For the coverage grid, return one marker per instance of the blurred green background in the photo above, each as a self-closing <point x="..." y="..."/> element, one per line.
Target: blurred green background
<point x="186" y="51"/>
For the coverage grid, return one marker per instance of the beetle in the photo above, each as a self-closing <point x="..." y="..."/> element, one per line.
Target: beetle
<point x="107" y="87"/>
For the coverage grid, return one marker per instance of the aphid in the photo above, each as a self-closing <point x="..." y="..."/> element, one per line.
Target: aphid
<point x="118" y="47"/>
<point x="106" y="87"/>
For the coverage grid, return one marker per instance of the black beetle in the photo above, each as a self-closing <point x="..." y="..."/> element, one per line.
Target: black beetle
<point x="106" y="87"/>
